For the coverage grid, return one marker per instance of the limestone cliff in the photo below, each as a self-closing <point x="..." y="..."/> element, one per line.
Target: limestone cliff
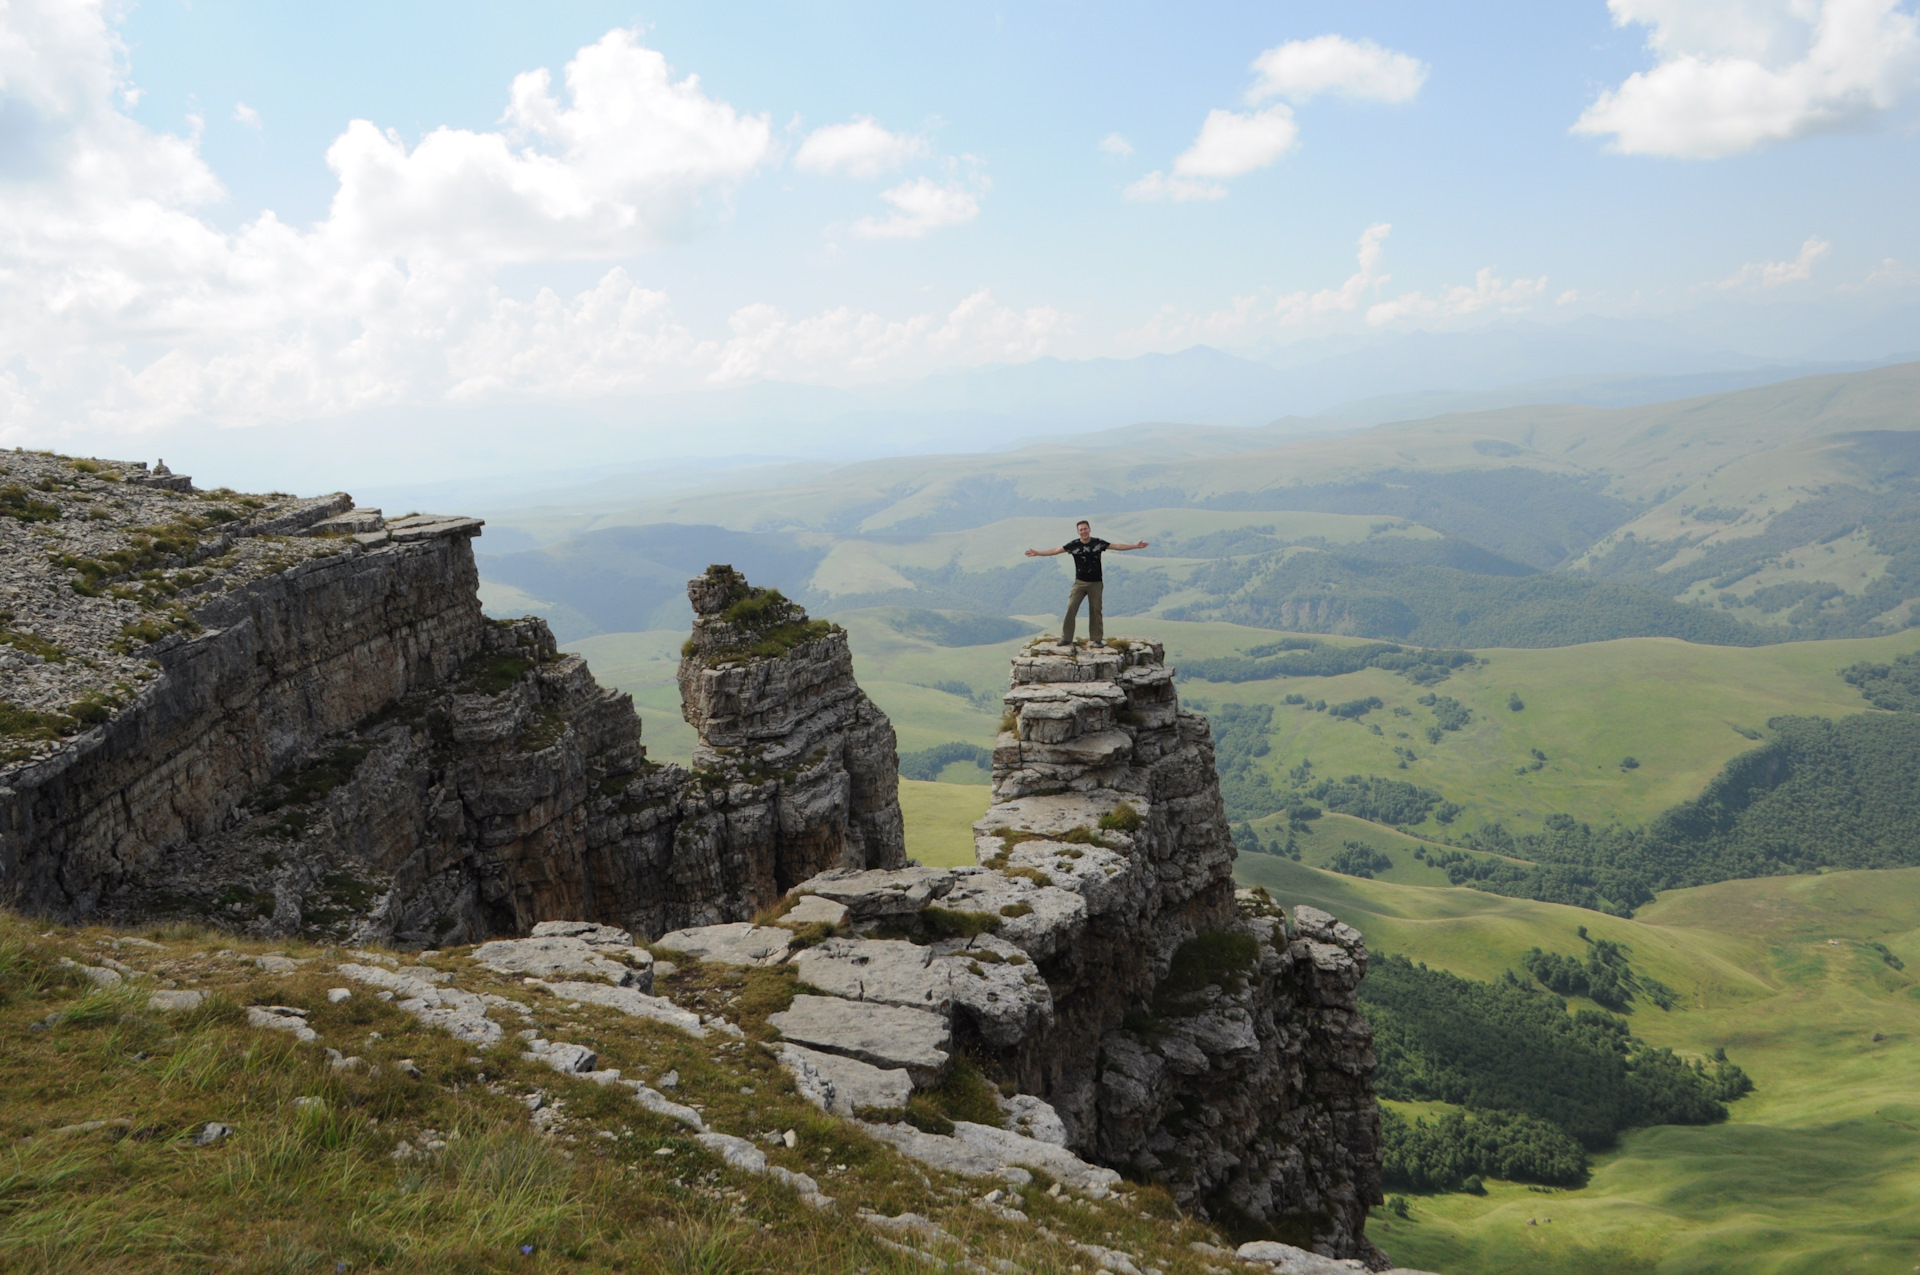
<point x="326" y="736"/>
<point x="1196" y="1037"/>
<point x="1098" y="966"/>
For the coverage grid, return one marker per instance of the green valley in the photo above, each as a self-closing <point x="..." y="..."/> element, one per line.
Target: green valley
<point x="1609" y="712"/>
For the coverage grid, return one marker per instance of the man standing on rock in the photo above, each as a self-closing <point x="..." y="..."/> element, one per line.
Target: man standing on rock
<point x="1087" y="583"/>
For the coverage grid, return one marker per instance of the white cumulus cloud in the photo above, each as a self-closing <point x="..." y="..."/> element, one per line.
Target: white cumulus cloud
<point x="1771" y="274"/>
<point x="1233" y="143"/>
<point x="247" y="116"/>
<point x="632" y="160"/>
<point x="130" y="309"/>
<point x="1302" y="69"/>
<point x="1114" y="144"/>
<point x="860" y="149"/>
<point x="1735" y="75"/>
<point x="1230" y="144"/>
<point x="920" y="207"/>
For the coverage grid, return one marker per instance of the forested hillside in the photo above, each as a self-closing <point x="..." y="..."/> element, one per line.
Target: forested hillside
<point x="1540" y="1086"/>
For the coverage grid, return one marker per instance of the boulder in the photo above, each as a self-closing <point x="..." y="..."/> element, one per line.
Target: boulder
<point x="1030" y="1117"/>
<point x="183" y="999"/>
<point x="885" y="1035"/>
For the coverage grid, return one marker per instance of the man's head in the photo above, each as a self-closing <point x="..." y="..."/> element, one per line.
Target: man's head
<point x="1085" y="529"/>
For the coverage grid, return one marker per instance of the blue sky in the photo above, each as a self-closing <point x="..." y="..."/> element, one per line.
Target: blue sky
<point x="1072" y="179"/>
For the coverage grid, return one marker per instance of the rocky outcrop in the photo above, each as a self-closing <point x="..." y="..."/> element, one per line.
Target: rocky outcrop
<point x="1099" y="965"/>
<point x="1196" y="1036"/>
<point x="332" y="739"/>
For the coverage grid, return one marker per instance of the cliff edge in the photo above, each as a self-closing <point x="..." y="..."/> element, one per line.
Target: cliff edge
<point x="290" y="716"/>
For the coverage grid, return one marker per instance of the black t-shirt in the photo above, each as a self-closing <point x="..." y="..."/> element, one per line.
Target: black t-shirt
<point x="1086" y="557"/>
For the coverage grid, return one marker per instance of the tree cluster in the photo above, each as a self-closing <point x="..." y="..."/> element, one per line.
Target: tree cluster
<point x="1509" y="1046"/>
<point x="1358" y="859"/>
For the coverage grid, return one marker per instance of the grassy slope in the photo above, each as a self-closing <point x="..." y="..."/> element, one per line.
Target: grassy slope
<point x="1818" y="1170"/>
<point x="316" y="1186"/>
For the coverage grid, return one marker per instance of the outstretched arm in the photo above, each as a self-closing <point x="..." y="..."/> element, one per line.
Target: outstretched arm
<point x="1123" y="548"/>
<point x="1044" y="553"/>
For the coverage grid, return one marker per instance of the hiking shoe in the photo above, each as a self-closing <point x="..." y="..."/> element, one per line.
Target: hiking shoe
<point x="1099" y="641"/>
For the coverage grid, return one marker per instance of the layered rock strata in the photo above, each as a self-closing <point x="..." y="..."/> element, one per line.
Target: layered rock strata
<point x="1098" y="964"/>
<point x="329" y="737"/>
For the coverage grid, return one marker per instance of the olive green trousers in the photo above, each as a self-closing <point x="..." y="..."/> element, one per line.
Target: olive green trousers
<point x="1096" y="623"/>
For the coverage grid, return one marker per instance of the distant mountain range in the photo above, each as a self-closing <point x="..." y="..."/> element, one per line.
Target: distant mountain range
<point x="1759" y="515"/>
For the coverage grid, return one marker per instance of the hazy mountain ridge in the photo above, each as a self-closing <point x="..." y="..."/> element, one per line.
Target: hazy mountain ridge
<point x="1757" y="515"/>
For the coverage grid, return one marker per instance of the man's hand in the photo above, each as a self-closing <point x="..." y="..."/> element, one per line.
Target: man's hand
<point x="1033" y="553"/>
<point x="1141" y="545"/>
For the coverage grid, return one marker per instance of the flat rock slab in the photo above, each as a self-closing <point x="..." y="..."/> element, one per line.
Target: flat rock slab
<point x="979" y="1151"/>
<point x="1285" y="1259"/>
<point x="544" y="956"/>
<point x="463" y="1014"/>
<point x="814" y="909"/>
<point x="844" y="1086"/>
<point x="586" y="931"/>
<point x="736" y="943"/>
<point x="744" y="1156"/>
<point x="1057" y="814"/>
<point x="885" y="1035"/>
<point x="885" y="971"/>
<point x="1101" y="748"/>
<point x="564" y="1057"/>
<point x="997" y="987"/>
<point x="631" y="1001"/>
<point x="880" y="892"/>
<point x="1104" y="878"/>
<point x="280" y="1019"/>
<point x="1039" y="920"/>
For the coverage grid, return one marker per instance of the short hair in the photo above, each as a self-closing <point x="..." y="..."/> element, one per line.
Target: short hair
<point x="1083" y="523"/>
